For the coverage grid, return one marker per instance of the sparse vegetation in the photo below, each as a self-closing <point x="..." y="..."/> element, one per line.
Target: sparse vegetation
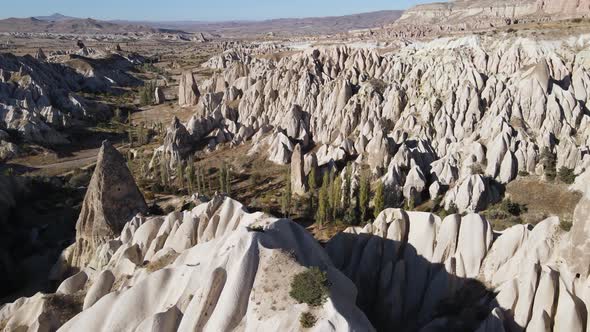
<point x="287" y="196"/>
<point x="323" y="202"/>
<point x="310" y="286"/>
<point x="307" y="320"/>
<point x="566" y="224"/>
<point x="379" y="199"/>
<point x="364" y="193"/>
<point x="566" y="175"/>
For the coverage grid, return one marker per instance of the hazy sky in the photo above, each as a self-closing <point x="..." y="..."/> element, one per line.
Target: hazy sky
<point x="197" y="9"/>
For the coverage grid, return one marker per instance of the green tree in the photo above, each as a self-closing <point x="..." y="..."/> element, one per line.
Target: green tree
<point x="364" y="193"/>
<point x="379" y="199"/>
<point x="198" y="181"/>
<point x="311" y="180"/>
<point x="312" y="183"/>
<point x="322" y="212"/>
<point x="147" y="93"/>
<point x="180" y="175"/>
<point x="190" y="175"/>
<point x="337" y="194"/>
<point x="222" y="178"/>
<point x="331" y="195"/>
<point x="227" y="174"/>
<point x="347" y="187"/>
<point x="326" y="195"/>
<point x="286" y="196"/>
<point x="164" y="172"/>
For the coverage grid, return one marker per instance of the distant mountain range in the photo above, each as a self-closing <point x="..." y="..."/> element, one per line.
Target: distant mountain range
<point x="58" y="23"/>
<point x="57" y="17"/>
<point x="286" y="26"/>
<point x="65" y="25"/>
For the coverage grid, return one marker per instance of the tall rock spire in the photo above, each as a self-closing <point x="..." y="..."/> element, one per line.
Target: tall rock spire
<point x="188" y="92"/>
<point x="111" y="200"/>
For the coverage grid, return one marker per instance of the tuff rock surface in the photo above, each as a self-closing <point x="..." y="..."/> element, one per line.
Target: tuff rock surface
<point x="465" y="114"/>
<point x="111" y="198"/>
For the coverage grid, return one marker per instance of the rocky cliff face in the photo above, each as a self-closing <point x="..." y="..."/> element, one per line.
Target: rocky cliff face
<point x="565" y="7"/>
<point x="466" y="15"/>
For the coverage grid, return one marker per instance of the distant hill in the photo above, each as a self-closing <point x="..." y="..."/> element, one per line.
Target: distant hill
<point x="57" y="17"/>
<point x="284" y="26"/>
<point x="62" y="24"/>
<point x="58" y="23"/>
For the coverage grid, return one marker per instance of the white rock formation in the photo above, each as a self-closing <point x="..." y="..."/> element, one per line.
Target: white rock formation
<point x="478" y="119"/>
<point x="188" y="92"/>
<point x="184" y="287"/>
<point x="111" y="198"/>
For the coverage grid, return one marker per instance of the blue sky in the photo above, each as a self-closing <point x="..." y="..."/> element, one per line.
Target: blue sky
<point x="209" y="10"/>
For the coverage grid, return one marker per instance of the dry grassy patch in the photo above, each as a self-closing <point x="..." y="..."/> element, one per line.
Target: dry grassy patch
<point x="543" y="199"/>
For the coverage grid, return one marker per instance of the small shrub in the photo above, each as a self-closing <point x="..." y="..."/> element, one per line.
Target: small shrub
<point x="566" y="225"/>
<point x="512" y="208"/>
<point x="452" y="209"/>
<point x="437" y="203"/>
<point x="310" y="286"/>
<point x="307" y="320"/>
<point x="566" y="175"/>
<point x="410" y="204"/>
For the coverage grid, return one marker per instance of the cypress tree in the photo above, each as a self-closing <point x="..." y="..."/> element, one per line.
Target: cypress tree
<point x="180" y="174"/>
<point x="379" y="199"/>
<point x="364" y="192"/>
<point x="222" y="178"/>
<point x="337" y="194"/>
<point x="227" y="180"/>
<point x="287" y="196"/>
<point x="347" y="187"/>
<point x="323" y="203"/>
